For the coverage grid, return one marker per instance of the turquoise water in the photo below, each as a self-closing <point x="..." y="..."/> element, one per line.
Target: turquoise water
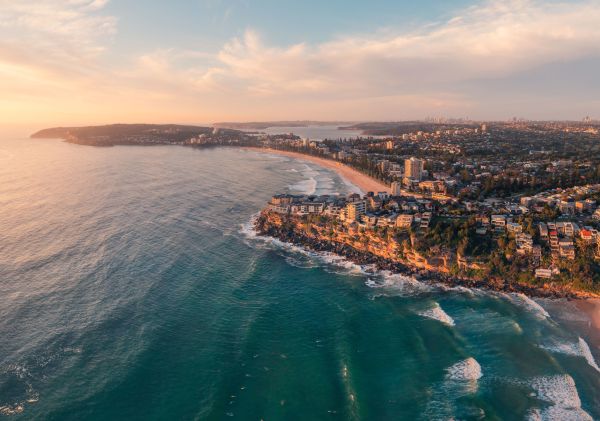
<point x="132" y="288"/>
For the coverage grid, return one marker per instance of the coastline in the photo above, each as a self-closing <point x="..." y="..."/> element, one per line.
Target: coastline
<point x="355" y="177"/>
<point x="588" y="305"/>
<point x="403" y="268"/>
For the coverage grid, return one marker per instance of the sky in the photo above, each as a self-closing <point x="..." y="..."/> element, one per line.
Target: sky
<point x="75" y="62"/>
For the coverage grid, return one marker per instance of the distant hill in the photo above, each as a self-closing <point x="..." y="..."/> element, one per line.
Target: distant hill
<point x="116" y="130"/>
<point x="133" y="134"/>
<point x="401" y="127"/>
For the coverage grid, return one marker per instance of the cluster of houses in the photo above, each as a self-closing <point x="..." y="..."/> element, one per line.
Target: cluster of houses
<point x="382" y="209"/>
<point x="463" y="162"/>
<point x="361" y="212"/>
<point x="564" y="201"/>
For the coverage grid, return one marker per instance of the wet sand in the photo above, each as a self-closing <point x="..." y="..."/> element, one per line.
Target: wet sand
<point x="360" y="180"/>
<point x="591" y="307"/>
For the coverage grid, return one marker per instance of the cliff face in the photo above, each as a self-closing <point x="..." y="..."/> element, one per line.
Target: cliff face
<point x="386" y="253"/>
<point x="367" y="247"/>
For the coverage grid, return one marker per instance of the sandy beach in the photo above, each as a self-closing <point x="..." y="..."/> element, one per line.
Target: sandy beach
<point x="591" y="307"/>
<point x="360" y="180"/>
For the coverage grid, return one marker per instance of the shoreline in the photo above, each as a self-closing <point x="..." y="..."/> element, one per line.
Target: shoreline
<point x="362" y="181"/>
<point x="265" y="229"/>
<point x="591" y="308"/>
<point x="588" y="305"/>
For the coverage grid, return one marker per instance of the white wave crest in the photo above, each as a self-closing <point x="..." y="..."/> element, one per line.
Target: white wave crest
<point x="247" y="229"/>
<point x="461" y="379"/>
<point x="305" y="186"/>
<point x="347" y="266"/>
<point x="11" y="409"/>
<point x="437" y="313"/>
<point x="344" y="266"/>
<point x="587" y="353"/>
<point x="530" y="305"/>
<point x="253" y="239"/>
<point x="579" y="349"/>
<point x="397" y="284"/>
<point x="465" y="370"/>
<point x="299" y="262"/>
<point x="559" y="391"/>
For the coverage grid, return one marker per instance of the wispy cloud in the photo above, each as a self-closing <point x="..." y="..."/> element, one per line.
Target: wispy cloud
<point x="494" y="39"/>
<point x="66" y="28"/>
<point x="54" y="47"/>
<point x="48" y="45"/>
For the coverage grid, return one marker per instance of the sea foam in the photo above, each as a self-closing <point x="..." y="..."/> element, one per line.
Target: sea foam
<point x="437" y="313"/>
<point x="305" y="186"/>
<point x="340" y="264"/>
<point x="444" y="402"/>
<point x="395" y="284"/>
<point x="465" y="370"/>
<point x="529" y="304"/>
<point x="579" y="349"/>
<point x="561" y="393"/>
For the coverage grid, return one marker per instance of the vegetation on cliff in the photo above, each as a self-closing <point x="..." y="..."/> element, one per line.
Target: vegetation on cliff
<point x="450" y="251"/>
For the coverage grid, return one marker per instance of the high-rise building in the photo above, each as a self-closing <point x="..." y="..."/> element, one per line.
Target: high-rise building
<point x="355" y="210"/>
<point x="384" y="165"/>
<point x="396" y="188"/>
<point x="483" y="128"/>
<point x="413" y="168"/>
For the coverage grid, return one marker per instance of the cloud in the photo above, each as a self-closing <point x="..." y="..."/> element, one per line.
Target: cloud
<point x="50" y="53"/>
<point x="490" y="40"/>
<point x="54" y="49"/>
<point x="59" y="36"/>
<point x="430" y="69"/>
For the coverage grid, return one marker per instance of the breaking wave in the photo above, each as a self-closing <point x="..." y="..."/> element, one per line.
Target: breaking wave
<point x="397" y="284"/>
<point x="300" y="262"/>
<point x="561" y="393"/>
<point x="437" y="313"/>
<point x="305" y="186"/>
<point x="334" y="263"/>
<point x="579" y="349"/>
<point x="391" y="284"/>
<point x="465" y="370"/>
<point x="529" y="304"/>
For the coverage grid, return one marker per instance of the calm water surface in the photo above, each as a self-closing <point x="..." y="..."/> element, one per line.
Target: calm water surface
<point x="315" y="132"/>
<point x="131" y="287"/>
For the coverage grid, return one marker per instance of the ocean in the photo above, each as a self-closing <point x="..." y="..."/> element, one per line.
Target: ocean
<point x="132" y="287"/>
<point x="315" y="132"/>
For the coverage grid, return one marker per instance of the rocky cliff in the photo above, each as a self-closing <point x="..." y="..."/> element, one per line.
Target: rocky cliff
<point x="385" y="253"/>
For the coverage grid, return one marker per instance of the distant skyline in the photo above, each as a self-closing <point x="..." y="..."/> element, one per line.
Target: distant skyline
<point x="72" y="62"/>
